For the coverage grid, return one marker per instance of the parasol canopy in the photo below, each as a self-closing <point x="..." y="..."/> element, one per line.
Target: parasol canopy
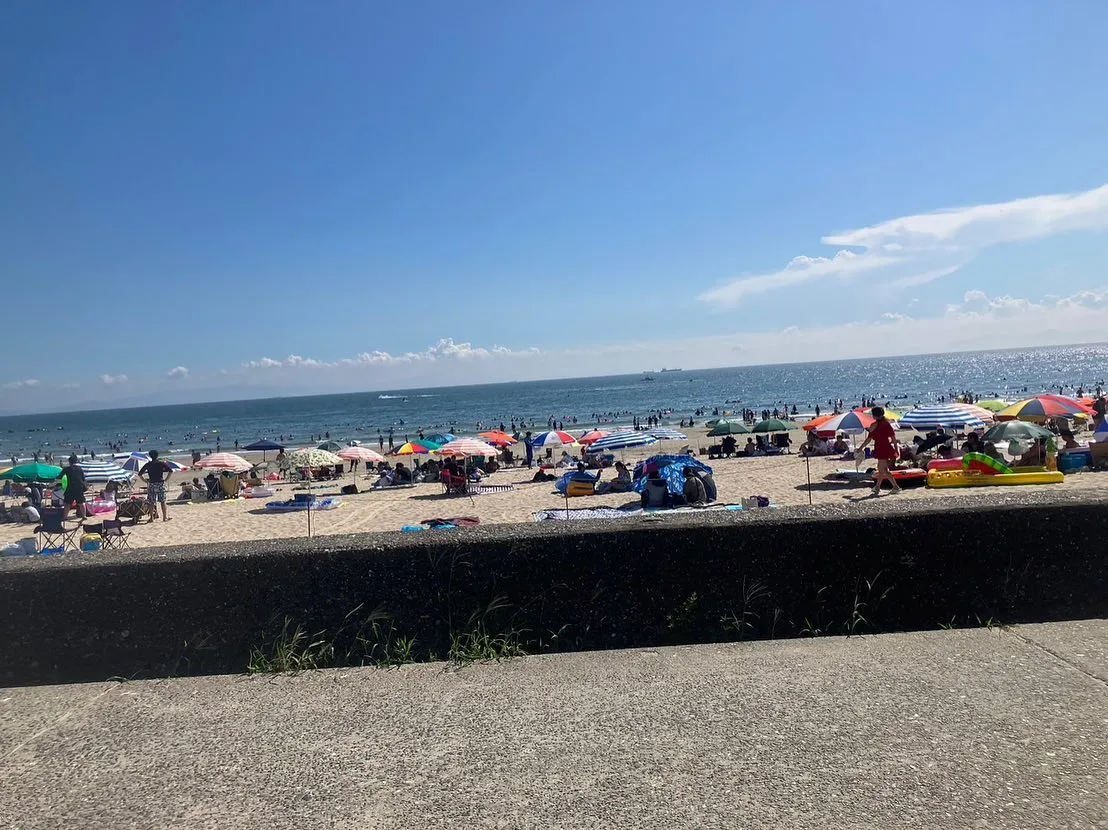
<point x="621" y="441"/>
<point x="497" y="438"/>
<point x="729" y="426"/>
<point x="360" y="454"/>
<point x="28" y="473"/>
<point x="224" y="461"/>
<point x="101" y="472"/>
<point x="467" y="447"/>
<point x="313" y="457"/>
<point x="774" y="425"/>
<point x="665" y="434"/>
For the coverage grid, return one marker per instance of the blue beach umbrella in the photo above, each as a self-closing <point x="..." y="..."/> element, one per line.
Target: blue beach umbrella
<point x="933" y="416"/>
<point x="101" y="472"/>
<point x="439" y="437"/>
<point x="672" y="468"/>
<point x="666" y="434"/>
<point x="621" y="441"/>
<point x="135" y="461"/>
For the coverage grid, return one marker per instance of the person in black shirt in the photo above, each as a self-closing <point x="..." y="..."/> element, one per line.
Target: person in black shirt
<point x="155" y="473"/>
<point x="74" y="489"/>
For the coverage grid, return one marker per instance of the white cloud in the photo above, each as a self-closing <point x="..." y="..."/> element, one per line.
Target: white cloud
<point x="918" y="249"/>
<point x="443" y="350"/>
<point x="22" y="384"/>
<point x="113" y="380"/>
<point x="177" y="373"/>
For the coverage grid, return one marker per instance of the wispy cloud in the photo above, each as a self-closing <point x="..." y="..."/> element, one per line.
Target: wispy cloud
<point x="918" y="249"/>
<point x="22" y="384"/>
<point x="113" y="380"/>
<point x="177" y="373"/>
<point x="443" y="350"/>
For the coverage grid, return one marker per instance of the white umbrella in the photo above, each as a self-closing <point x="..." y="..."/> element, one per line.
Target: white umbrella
<point x="313" y="457"/>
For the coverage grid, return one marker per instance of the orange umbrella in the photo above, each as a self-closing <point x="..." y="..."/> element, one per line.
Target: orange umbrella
<point x="590" y="437"/>
<point x="817" y="422"/>
<point x="497" y="438"/>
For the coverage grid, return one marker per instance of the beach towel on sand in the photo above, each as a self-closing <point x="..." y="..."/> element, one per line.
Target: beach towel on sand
<point x="462" y="521"/>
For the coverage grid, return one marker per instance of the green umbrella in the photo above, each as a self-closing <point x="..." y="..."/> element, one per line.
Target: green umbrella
<point x="993" y="406"/>
<point x="33" y="472"/>
<point x="1018" y="430"/>
<point x="330" y="446"/>
<point x="729" y="426"/>
<point x="773" y="425"/>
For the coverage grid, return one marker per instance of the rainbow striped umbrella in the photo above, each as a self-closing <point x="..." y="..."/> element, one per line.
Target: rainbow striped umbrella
<point x="1042" y="407"/>
<point x="420" y="447"/>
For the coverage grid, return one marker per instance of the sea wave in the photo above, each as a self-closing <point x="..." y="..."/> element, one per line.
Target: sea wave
<point x="392" y="397"/>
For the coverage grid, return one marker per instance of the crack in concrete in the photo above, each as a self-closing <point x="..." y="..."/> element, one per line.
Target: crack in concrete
<point x="1059" y="657"/>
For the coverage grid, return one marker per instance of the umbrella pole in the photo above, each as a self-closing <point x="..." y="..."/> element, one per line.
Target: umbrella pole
<point x="309" y="512"/>
<point x="808" y="466"/>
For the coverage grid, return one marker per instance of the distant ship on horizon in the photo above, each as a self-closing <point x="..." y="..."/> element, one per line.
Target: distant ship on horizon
<point x="664" y="369"/>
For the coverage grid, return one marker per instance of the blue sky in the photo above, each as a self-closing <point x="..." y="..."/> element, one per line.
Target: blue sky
<point x="288" y="197"/>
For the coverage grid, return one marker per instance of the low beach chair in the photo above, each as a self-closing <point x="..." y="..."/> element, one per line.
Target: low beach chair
<point x="113" y="535"/>
<point x="454" y="485"/>
<point x="53" y="530"/>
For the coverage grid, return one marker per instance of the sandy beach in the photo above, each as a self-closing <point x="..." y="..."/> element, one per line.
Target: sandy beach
<point x="782" y="478"/>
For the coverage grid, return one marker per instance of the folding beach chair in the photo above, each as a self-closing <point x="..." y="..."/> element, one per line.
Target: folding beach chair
<point x="53" y="530"/>
<point x="113" y="535"/>
<point x="454" y="485"/>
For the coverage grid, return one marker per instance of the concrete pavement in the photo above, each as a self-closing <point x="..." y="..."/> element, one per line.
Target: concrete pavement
<point x="982" y="728"/>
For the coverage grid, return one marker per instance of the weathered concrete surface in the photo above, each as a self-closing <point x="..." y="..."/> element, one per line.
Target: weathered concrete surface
<point x="949" y="729"/>
<point x="690" y="578"/>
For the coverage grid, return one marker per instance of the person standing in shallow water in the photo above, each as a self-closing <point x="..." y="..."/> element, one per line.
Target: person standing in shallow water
<point x="883" y="437"/>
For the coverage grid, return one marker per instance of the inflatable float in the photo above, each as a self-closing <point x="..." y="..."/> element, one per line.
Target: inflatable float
<point x="298" y="504"/>
<point x="906" y="477"/>
<point x="979" y="470"/>
<point x="955" y="478"/>
<point x="258" y="492"/>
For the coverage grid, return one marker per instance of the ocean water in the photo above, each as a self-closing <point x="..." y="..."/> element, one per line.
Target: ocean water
<point x="614" y="399"/>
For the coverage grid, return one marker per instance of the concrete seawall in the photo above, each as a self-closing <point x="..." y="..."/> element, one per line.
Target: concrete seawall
<point x="883" y="566"/>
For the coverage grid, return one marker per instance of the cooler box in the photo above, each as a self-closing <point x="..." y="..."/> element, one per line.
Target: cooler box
<point x="1069" y="462"/>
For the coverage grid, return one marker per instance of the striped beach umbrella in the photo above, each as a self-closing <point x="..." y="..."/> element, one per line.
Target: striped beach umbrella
<point x="421" y="447"/>
<point x="932" y="416"/>
<point x="854" y="422"/>
<point x="101" y="472"/>
<point x="664" y="434"/>
<point x="224" y="461"/>
<point x="360" y="454"/>
<point x="1042" y="407"/>
<point x="622" y="441"/>
<point x="467" y="447"/>
<point x="553" y="438"/>
<point x="135" y="461"/>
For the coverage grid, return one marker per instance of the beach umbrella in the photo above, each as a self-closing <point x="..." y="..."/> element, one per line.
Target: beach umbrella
<point x="224" y="461"/>
<point x="263" y="447"/>
<point x="890" y="414"/>
<point x="993" y="406"/>
<point x="330" y="446"/>
<point x="729" y="426"/>
<point x="932" y="416"/>
<point x="416" y="448"/>
<point x="1015" y="430"/>
<point x="28" y="473"/>
<point x="360" y="454"/>
<point x="101" y="472"/>
<point x="817" y="423"/>
<point x="664" y="434"/>
<point x="313" y="457"/>
<point x="553" y="438"/>
<point x="854" y="422"/>
<point x="1042" y="408"/>
<point x="622" y="441"/>
<point x="467" y="447"/>
<point x="497" y="438"/>
<point x="773" y="425"/>
<point x="672" y="468"/>
<point x="594" y="435"/>
<point x="135" y="461"/>
<point x="439" y="438"/>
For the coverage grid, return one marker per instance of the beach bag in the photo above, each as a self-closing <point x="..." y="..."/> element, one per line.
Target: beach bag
<point x="350" y="489"/>
<point x="91" y="542"/>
